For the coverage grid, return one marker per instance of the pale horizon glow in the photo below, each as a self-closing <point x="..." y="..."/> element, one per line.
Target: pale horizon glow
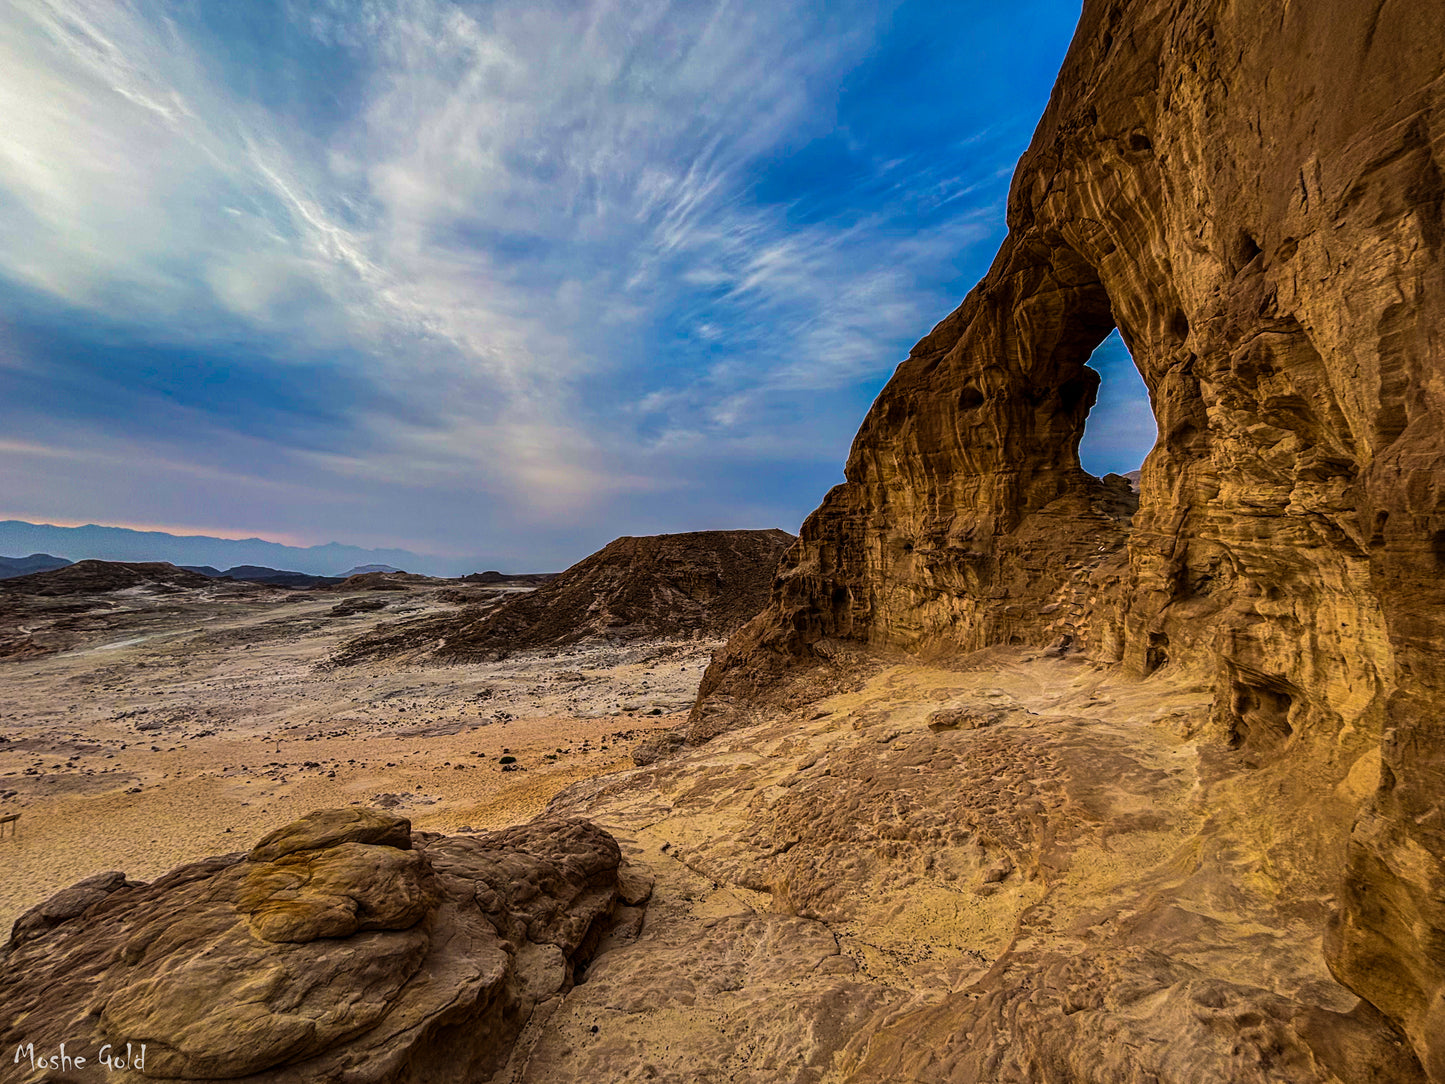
<point x="179" y="530"/>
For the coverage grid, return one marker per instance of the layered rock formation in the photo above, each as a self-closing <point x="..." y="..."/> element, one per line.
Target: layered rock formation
<point x="699" y="584"/>
<point x="1252" y="194"/>
<point x="705" y="583"/>
<point x="342" y="947"/>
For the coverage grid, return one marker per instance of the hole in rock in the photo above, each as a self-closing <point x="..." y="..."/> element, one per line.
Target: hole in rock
<point x="1120" y="429"/>
<point x="1377" y="538"/>
<point x="1157" y="653"/>
<point x="970" y="398"/>
<point x="1246" y="249"/>
<point x="1261" y="715"/>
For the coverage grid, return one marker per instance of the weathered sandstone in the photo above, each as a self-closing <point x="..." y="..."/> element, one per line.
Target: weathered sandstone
<point x="343" y="947"/>
<point x="1074" y="884"/>
<point x="1252" y="194"/>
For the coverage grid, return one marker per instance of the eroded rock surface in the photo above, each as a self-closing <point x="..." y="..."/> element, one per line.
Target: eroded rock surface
<point x="342" y="947"/>
<point x="1252" y="194"/>
<point x="1070" y="881"/>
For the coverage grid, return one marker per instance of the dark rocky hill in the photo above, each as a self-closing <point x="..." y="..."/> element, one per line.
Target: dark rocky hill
<point x="278" y="577"/>
<point x="51" y="611"/>
<point x="703" y="583"/>
<point x="98" y="577"/>
<point x="534" y="579"/>
<point x="385" y="581"/>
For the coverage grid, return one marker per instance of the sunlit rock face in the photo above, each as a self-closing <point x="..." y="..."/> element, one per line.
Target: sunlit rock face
<point x="1252" y="193"/>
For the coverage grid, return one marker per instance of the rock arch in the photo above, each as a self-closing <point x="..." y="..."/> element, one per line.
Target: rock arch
<point x="1253" y="195"/>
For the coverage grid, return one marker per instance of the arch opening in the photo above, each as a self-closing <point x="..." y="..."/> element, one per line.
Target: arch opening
<point x="1120" y="429"/>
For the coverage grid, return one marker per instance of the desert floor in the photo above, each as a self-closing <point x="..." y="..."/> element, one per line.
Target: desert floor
<point x="198" y="730"/>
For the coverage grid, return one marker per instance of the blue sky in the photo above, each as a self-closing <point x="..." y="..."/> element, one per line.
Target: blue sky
<point x="495" y="282"/>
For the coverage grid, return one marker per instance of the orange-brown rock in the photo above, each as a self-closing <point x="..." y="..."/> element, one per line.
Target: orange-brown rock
<point x="1252" y="194"/>
<point x="342" y="948"/>
<point x="1011" y="867"/>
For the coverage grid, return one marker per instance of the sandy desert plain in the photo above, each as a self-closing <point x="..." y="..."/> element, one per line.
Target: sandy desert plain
<point x="183" y="724"/>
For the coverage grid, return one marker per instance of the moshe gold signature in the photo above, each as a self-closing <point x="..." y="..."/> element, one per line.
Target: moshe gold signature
<point x="107" y="1057"/>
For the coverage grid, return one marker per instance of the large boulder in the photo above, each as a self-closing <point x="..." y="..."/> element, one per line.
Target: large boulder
<point x="342" y="947"/>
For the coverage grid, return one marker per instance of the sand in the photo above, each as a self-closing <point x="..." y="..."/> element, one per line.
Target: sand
<point x="223" y="720"/>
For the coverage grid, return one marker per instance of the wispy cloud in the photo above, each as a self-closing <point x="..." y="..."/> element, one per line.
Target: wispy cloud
<point x="555" y="254"/>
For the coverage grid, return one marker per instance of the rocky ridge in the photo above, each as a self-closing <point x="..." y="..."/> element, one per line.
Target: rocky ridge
<point x="54" y="610"/>
<point x="94" y="577"/>
<point x="10" y="567"/>
<point x="703" y="584"/>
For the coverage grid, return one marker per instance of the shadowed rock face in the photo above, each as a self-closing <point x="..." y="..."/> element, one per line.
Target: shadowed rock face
<point x="701" y="583"/>
<point x="341" y="948"/>
<point x="1252" y="193"/>
<point x="698" y="584"/>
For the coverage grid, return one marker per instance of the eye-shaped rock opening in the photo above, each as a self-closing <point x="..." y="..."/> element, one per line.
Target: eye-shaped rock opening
<point x="1246" y="248"/>
<point x="1119" y="428"/>
<point x="1089" y="405"/>
<point x="970" y="399"/>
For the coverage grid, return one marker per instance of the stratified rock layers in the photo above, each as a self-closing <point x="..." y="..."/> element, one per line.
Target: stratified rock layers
<point x="1252" y="193"/>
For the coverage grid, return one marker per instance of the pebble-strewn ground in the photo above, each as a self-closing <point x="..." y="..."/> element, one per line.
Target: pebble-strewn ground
<point x="212" y="722"/>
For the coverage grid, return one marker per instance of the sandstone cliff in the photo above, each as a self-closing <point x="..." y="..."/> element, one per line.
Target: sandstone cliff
<point x="1251" y="192"/>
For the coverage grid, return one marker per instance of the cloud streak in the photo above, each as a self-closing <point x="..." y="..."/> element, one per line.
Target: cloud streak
<point x="563" y="257"/>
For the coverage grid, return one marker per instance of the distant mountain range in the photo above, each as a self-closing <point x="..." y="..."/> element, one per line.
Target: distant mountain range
<point x="15" y="567"/>
<point x="123" y="544"/>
